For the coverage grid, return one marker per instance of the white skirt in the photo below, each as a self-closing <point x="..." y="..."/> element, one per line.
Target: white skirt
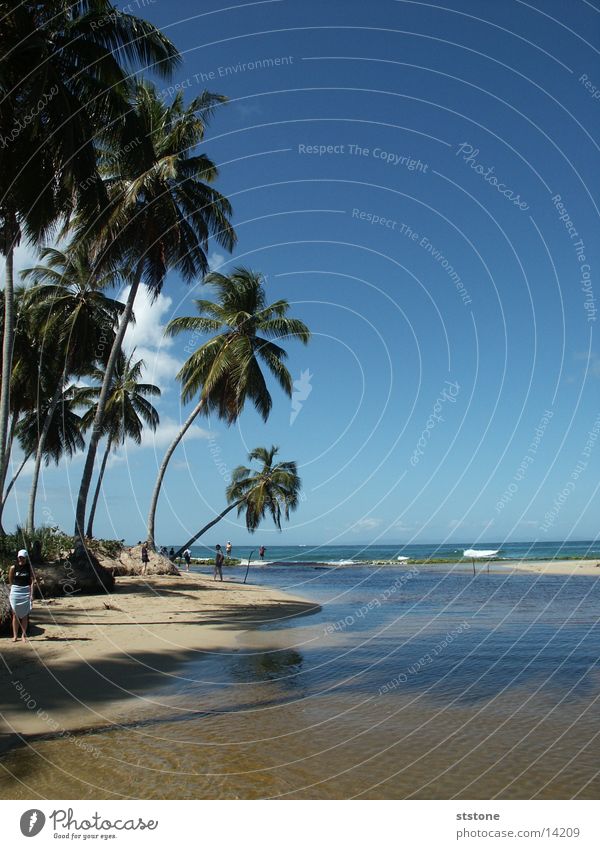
<point x="20" y="601"/>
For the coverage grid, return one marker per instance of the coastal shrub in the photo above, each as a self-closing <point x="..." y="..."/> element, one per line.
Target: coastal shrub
<point x="48" y="544"/>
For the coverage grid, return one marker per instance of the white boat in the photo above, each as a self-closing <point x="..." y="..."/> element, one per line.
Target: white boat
<point x="474" y="554"/>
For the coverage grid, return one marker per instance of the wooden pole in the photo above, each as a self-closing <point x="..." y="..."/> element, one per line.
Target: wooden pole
<point x="248" y="566"/>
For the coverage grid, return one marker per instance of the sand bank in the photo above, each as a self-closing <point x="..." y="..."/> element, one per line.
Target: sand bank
<point x="88" y="657"/>
<point x="554" y="567"/>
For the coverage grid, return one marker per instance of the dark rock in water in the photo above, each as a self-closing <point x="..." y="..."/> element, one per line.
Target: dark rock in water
<point x="80" y="573"/>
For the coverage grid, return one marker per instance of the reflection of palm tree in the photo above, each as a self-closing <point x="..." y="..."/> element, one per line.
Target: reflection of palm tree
<point x="127" y="410"/>
<point x="227" y="370"/>
<point x="282" y="665"/>
<point x="274" y="489"/>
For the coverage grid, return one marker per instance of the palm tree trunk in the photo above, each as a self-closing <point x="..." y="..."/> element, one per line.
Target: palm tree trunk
<point x="14" y="478"/>
<point x="39" y="453"/>
<point x="90" y="525"/>
<point x="7" y="352"/>
<point x="163" y="469"/>
<point x="208" y="527"/>
<point x="9" y="444"/>
<point x="96" y="433"/>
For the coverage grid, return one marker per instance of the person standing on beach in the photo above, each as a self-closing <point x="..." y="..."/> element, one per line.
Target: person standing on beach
<point x="187" y="556"/>
<point x="228" y="549"/>
<point x="21" y="579"/>
<point x="261" y="552"/>
<point x="171" y="553"/>
<point x="218" y="563"/>
<point x="145" y="558"/>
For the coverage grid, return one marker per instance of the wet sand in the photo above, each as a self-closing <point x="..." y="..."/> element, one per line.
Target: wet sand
<point x="87" y="658"/>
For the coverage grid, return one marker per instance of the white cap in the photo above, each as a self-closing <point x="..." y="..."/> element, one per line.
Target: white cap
<point x="22" y="553"/>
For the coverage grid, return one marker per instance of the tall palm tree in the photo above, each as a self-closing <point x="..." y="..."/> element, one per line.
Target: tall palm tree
<point x="127" y="411"/>
<point x="76" y="323"/>
<point x="162" y="215"/>
<point x="64" y="72"/>
<point x="273" y="489"/>
<point x="27" y="371"/>
<point x="226" y="371"/>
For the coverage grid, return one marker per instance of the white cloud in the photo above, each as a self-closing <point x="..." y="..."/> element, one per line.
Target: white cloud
<point x="166" y="432"/>
<point x="147" y="336"/>
<point x="25" y="256"/>
<point x="158" y="441"/>
<point x="368" y="523"/>
<point x="151" y="318"/>
<point x="216" y="261"/>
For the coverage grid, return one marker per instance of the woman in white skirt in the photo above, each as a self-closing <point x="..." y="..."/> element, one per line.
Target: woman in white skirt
<point x="21" y="579"/>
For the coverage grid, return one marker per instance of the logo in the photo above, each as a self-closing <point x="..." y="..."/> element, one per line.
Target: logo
<point x="302" y="389"/>
<point x="32" y="822"/>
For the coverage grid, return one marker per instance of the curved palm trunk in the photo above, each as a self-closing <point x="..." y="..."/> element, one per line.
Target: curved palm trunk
<point x="9" y="443"/>
<point x="207" y="527"/>
<point x="14" y="477"/>
<point x="7" y="352"/>
<point x="163" y="468"/>
<point x="90" y="525"/>
<point x="96" y="433"/>
<point x="39" y="454"/>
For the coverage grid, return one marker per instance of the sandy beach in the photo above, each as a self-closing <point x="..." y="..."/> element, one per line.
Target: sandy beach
<point x="88" y="658"/>
<point x="554" y="567"/>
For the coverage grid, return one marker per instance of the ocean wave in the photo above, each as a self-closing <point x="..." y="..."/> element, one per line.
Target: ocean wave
<point x="340" y="562"/>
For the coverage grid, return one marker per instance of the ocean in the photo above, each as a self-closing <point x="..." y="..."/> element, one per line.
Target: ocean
<point x="356" y="554"/>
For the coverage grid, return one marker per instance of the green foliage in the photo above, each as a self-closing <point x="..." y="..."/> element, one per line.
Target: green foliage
<point x="226" y="370"/>
<point x="273" y="489"/>
<point x="55" y="544"/>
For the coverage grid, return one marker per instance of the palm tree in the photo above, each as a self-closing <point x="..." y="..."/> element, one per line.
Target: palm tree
<point x="162" y="215"/>
<point x="274" y="489"/>
<point x="64" y="436"/>
<point x="127" y="411"/>
<point x="27" y="370"/>
<point x="64" y="71"/>
<point x="226" y="370"/>
<point x="76" y="322"/>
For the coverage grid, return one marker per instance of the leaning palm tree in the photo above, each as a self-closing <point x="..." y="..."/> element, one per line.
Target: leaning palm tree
<point x="64" y="79"/>
<point x="273" y="490"/>
<point x="127" y="411"/>
<point x="226" y="371"/>
<point x="76" y="323"/>
<point x="162" y="215"/>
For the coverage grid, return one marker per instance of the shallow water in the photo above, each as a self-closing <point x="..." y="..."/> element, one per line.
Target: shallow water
<point x="406" y="685"/>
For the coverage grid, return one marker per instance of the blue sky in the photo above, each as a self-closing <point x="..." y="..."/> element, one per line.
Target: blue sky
<point x="436" y="357"/>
